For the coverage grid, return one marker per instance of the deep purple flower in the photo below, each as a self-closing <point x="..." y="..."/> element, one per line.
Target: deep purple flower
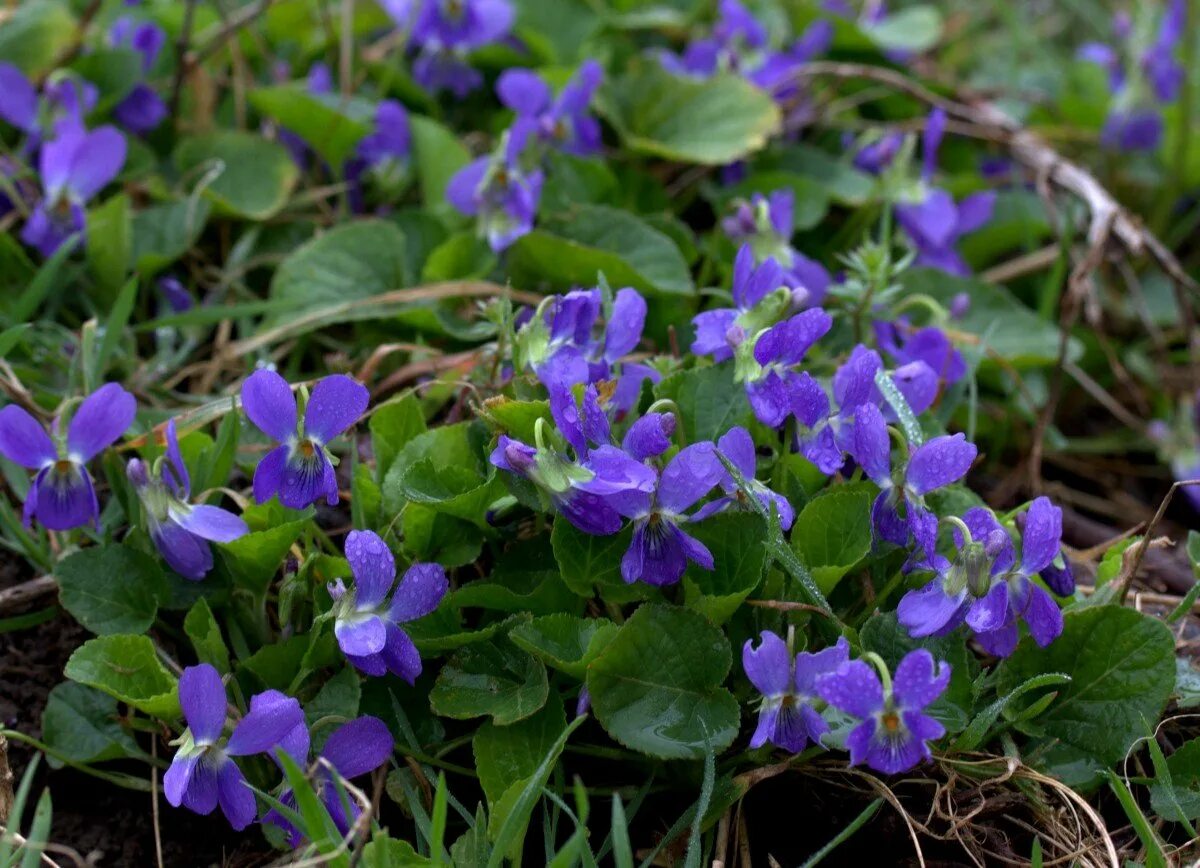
<point x="932" y="465"/>
<point x="142" y="109"/>
<point x="181" y="531"/>
<point x="75" y="166"/>
<point x="766" y="223"/>
<point x="660" y="550"/>
<point x="1164" y="72"/>
<point x="299" y="470"/>
<point x="585" y="489"/>
<point x="877" y="155"/>
<point x="62" y="496"/>
<point x="367" y="617"/>
<point x="773" y="377"/>
<point x="446" y="31"/>
<point x="961" y="582"/>
<point x="929" y="345"/>
<point x="562" y="121"/>
<point x="203" y="773"/>
<point x="176" y="294"/>
<point x="757" y="305"/>
<point x="1015" y="597"/>
<point x="501" y="194"/>
<point x="935" y="223"/>
<point x="18" y="99"/>
<point x="786" y="717"/>
<point x="738" y="447"/>
<point x="894" y="734"/>
<point x="1132" y="130"/>
<point x="563" y="344"/>
<point x="824" y="436"/>
<point x="382" y="156"/>
<point x="355" y="748"/>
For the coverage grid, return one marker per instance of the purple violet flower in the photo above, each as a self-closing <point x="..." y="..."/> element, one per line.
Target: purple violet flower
<point x="74" y="166"/>
<point x="766" y="223"/>
<point x="758" y="304"/>
<point x="738" y="447"/>
<point x="824" y="436"/>
<point x="929" y="345"/>
<point x="585" y="489"/>
<point x="203" y="773"/>
<point x="299" y="470"/>
<point x="62" y="495"/>
<point x="178" y="299"/>
<point x="367" y="617"/>
<point x="787" y="717"/>
<point x="497" y="191"/>
<point x="894" y="734"/>
<point x="446" y="31"/>
<point x="355" y="748"/>
<point x="983" y="551"/>
<point x="936" y="223"/>
<point x="932" y="465"/>
<point x="142" y="109"/>
<point x="877" y="155"/>
<point x="1015" y="597"/>
<point x="771" y="376"/>
<point x="560" y="342"/>
<point x="383" y="155"/>
<point x="181" y="531"/>
<point x="560" y="122"/>
<point x="660" y="550"/>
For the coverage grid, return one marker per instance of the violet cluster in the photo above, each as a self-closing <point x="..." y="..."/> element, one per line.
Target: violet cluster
<point x="502" y="189"/>
<point x="1142" y="78"/>
<point x="205" y="774"/>
<point x="801" y="691"/>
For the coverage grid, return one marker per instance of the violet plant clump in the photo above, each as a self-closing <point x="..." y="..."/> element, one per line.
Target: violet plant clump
<point x="409" y="408"/>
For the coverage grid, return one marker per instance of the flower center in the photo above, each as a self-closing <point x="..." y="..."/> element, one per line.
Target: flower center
<point x="891" y="722"/>
<point x="307" y="449"/>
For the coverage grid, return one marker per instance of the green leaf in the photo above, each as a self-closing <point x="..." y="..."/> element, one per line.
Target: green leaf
<point x="163" y="233"/>
<point x="114" y="72"/>
<point x="913" y="29"/>
<point x="462" y="256"/>
<point x="253" y="560"/>
<point x="1175" y="796"/>
<point x="352" y="261"/>
<point x="1187" y="683"/>
<point x="657" y="688"/>
<point x="517" y="419"/>
<point x="592" y="564"/>
<point x="507" y="754"/>
<point x="1122" y="669"/>
<point x="493" y="678"/>
<point x="392" y="426"/>
<point x="337" y="701"/>
<point x="444" y="469"/>
<point x="1005" y="326"/>
<point x="329" y="124"/>
<point x="256" y="175"/>
<point x="201" y="627"/>
<point x="510" y="818"/>
<point x="1145" y="832"/>
<point x="110" y="241"/>
<point x="437" y="154"/>
<point x="433" y="536"/>
<point x="738" y="542"/>
<point x="883" y="634"/>
<point x="127" y="668"/>
<point x="118" y="318"/>
<point x="713" y="122"/>
<point x="845" y="184"/>
<point x="709" y="401"/>
<point x="565" y="642"/>
<point x="570" y="249"/>
<point x="974" y="736"/>
<point x="111" y="589"/>
<point x="82" y="724"/>
<point x="832" y="534"/>
<point x="35" y="35"/>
